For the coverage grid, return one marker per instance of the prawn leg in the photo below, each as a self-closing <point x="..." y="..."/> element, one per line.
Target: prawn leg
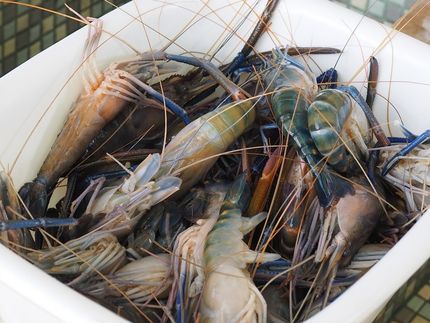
<point x="209" y="67"/>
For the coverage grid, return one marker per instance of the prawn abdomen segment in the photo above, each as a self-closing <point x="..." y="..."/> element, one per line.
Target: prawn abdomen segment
<point x="87" y="118"/>
<point x="290" y="111"/>
<point x="197" y="146"/>
<point x="235" y="118"/>
<point x="325" y="121"/>
<point x="339" y="128"/>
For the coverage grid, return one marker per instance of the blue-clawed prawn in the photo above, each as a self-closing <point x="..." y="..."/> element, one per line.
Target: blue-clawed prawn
<point x="292" y="89"/>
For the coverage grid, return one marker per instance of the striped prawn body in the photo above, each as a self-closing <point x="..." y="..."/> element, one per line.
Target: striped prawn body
<point x="339" y="128"/>
<point x="292" y="91"/>
<point x="195" y="149"/>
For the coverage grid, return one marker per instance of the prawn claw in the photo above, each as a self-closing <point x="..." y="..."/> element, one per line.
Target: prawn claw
<point x="35" y="196"/>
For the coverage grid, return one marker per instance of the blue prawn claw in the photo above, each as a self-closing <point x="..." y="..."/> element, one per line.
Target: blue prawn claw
<point x="408" y="134"/>
<point x="172" y="106"/>
<point x="406" y="150"/>
<point x="408" y="137"/>
<point x="235" y="64"/>
<point x="36" y="223"/>
<point x="330" y="77"/>
<point x="272" y="271"/>
<point x="259" y="29"/>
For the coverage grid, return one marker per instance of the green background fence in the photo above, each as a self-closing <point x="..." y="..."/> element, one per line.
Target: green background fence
<point x="26" y="31"/>
<point x="387" y="11"/>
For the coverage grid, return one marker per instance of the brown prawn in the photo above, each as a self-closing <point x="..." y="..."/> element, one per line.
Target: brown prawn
<point x="106" y="94"/>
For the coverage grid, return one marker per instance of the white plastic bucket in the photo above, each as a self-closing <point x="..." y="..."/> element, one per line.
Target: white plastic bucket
<point x="35" y="93"/>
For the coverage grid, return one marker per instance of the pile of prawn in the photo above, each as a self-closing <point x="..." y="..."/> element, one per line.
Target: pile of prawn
<point x="275" y="190"/>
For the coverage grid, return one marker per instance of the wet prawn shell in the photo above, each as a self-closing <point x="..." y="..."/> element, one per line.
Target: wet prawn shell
<point x="331" y="116"/>
<point x="155" y="72"/>
<point x="360" y="119"/>
<point x="206" y="136"/>
<point x="411" y="174"/>
<point x="357" y="215"/>
<point x="90" y="113"/>
<point x="298" y="178"/>
<point x="327" y="115"/>
<point x="224" y="243"/>
<point x="293" y="91"/>
<point x="139" y="280"/>
<point x="76" y="255"/>
<point x="147" y="276"/>
<point x="289" y="76"/>
<point x="414" y="168"/>
<point x="145" y="265"/>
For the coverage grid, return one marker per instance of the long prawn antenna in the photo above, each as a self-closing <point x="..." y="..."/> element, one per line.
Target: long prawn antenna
<point x="253" y="38"/>
<point x="372" y="81"/>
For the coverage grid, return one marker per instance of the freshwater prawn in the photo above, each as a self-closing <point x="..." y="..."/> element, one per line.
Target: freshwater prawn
<point x="106" y="94"/>
<point x="229" y="293"/>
